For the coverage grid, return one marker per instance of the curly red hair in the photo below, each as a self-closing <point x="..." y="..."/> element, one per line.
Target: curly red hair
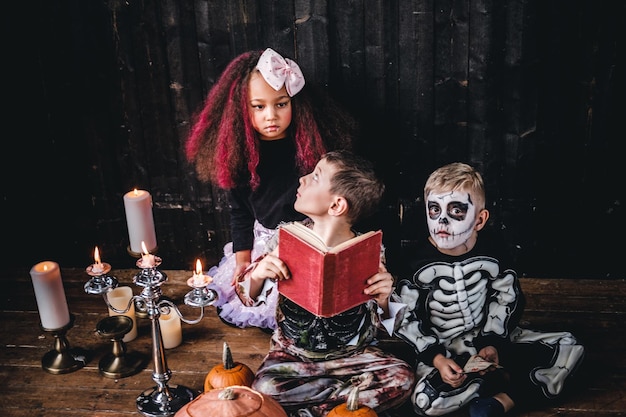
<point x="223" y="145"/>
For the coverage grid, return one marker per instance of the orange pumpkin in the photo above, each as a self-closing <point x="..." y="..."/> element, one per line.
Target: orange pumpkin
<point x="228" y="373"/>
<point x="351" y="407"/>
<point x="234" y="401"/>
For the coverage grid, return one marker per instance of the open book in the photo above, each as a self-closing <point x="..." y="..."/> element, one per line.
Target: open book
<point x="327" y="281"/>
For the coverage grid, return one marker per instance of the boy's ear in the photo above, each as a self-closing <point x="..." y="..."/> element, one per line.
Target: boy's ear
<point x="338" y="207"/>
<point x="481" y="219"/>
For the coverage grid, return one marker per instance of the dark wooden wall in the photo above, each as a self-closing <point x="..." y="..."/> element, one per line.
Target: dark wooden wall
<point x="101" y="93"/>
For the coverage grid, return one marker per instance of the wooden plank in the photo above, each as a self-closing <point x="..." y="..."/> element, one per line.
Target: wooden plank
<point x="348" y="57"/>
<point x="278" y="27"/>
<point x="311" y="40"/>
<point x="105" y="109"/>
<point x="179" y="207"/>
<point x="598" y="390"/>
<point x="415" y="74"/>
<point x="86" y="391"/>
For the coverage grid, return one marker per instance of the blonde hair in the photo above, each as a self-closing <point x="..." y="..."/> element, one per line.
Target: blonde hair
<point x="457" y="176"/>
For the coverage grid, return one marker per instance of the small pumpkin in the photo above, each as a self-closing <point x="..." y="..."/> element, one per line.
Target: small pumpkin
<point x="351" y="407"/>
<point x="228" y="373"/>
<point x="233" y="401"/>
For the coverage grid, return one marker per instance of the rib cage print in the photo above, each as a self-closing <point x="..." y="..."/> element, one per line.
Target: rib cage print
<point x="458" y="300"/>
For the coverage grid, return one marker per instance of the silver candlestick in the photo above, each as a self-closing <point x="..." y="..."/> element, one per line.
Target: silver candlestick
<point x="162" y="399"/>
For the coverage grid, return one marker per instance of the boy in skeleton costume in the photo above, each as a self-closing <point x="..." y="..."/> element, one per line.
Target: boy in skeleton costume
<point x="462" y="301"/>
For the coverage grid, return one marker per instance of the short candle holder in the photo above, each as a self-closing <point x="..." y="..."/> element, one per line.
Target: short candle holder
<point x="100" y="282"/>
<point x="63" y="359"/>
<point x="119" y="363"/>
<point x="163" y="399"/>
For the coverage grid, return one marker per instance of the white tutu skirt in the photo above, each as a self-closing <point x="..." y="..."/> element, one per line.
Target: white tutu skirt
<point x="231" y="310"/>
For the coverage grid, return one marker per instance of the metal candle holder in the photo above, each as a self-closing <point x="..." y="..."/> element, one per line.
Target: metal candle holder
<point x="63" y="359"/>
<point x="100" y="282"/>
<point x="162" y="399"/>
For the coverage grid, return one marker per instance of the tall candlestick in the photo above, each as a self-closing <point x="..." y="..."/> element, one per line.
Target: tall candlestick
<point x="138" y="207"/>
<point x="171" y="330"/>
<point x="50" y="295"/>
<point x="119" y="298"/>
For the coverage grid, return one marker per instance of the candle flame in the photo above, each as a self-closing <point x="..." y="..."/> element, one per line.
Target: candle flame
<point x="143" y="247"/>
<point x="135" y="192"/>
<point x="198" y="267"/>
<point x="96" y="255"/>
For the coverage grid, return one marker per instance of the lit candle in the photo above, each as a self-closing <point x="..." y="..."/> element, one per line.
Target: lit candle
<point x="198" y="276"/>
<point x="119" y="298"/>
<point x="138" y="206"/>
<point x="199" y="279"/>
<point x="171" y="330"/>
<point x="97" y="267"/>
<point x="147" y="259"/>
<point x="50" y="295"/>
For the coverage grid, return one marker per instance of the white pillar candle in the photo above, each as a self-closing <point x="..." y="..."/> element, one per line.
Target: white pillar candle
<point x="119" y="298"/>
<point x="171" y="330"/>
<point x="139" y="219"/>
<point x="50" y="295"/>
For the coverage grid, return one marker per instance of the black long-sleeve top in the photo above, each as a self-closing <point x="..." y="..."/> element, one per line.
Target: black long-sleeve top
<point x="272" y="202"/>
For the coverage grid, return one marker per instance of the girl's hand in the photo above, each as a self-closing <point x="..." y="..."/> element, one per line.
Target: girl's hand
<point x="239" y="268"/>
<point x="242" y="261"/>
<point x="451" y="373"/>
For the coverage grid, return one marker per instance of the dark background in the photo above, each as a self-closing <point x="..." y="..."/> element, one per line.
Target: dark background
<point x="101" y="93"/>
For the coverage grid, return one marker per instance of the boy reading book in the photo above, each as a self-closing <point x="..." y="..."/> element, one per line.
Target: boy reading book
<point x="314" y="362"/>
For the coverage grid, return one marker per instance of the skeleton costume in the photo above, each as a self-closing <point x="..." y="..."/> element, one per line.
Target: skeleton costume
<point x="456" y="305"/>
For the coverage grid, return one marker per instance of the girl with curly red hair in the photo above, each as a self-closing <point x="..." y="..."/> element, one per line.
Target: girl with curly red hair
<point x="260" y="129"/>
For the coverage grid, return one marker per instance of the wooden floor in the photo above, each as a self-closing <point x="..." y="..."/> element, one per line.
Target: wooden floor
<point x="593" y="310"/>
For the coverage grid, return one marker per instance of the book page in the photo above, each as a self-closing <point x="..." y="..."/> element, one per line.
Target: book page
<point x="477" y="364"/>
<point x="306" y="234"/>
<point x="351" y="242"/>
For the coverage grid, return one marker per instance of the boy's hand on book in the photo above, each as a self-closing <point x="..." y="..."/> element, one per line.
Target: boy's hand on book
<point x="380" y="286"/>
<point x="490" y="354"/>
<point x="451" y="373"/>
<point x="270" y="267"/>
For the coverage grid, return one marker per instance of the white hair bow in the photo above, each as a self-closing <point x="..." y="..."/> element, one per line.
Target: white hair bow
<point x="278" y="71"/>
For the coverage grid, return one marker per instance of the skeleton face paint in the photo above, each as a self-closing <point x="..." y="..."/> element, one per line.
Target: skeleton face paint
<point x="451" y="217"/>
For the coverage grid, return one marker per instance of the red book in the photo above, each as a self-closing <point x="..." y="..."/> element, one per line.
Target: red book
<point x="327" y="281"/>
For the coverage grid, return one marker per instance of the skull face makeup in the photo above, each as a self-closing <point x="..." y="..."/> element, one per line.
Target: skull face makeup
<point x="451" y="217"/>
